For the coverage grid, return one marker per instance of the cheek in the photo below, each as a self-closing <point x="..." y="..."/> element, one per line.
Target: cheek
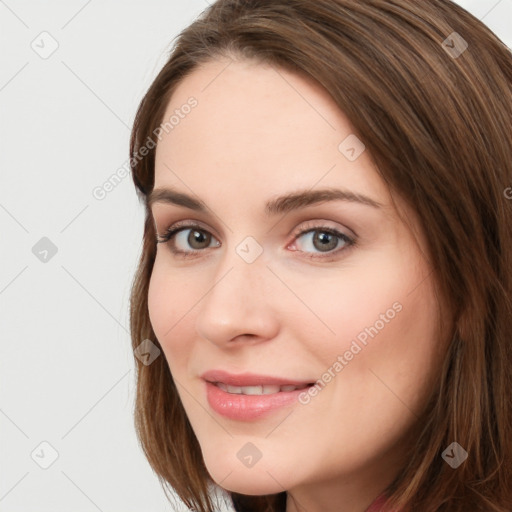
<point x="159" y="307"/>
<point x="387" y="331"/>
<point x="362" y="303"/>
<point x="168" y="303"/>
<point x="383" y="317"/>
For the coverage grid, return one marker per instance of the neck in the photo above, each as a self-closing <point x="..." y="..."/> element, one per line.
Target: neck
<point x="354" y="492"/>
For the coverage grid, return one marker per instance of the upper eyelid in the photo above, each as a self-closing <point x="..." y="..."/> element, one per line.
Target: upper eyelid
<point x="313" y="225"/>
<point x="188" y="225"/>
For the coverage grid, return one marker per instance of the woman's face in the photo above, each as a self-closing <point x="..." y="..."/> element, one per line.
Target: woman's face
<point x="255" y="296"/>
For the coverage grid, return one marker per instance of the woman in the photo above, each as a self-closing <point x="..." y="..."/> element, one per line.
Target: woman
<point x="327" y="259"/>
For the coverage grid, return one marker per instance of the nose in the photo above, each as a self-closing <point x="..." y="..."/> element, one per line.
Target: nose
<point x="240" y="304"/>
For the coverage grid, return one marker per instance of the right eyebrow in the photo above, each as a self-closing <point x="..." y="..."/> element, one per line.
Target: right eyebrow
<point x="170" y="196"/>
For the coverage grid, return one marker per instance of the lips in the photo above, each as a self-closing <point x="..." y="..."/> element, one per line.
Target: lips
<point x="251" y="379"/>
<point x="247" y="397"/>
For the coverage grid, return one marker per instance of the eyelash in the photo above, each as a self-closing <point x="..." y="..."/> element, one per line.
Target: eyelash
<point x="176" y="228"/>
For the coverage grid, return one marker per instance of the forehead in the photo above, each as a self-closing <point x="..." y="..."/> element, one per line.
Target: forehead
<point x="260" y="128"/>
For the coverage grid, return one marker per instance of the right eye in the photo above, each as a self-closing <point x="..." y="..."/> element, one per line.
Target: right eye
<point x="187" y="235"/>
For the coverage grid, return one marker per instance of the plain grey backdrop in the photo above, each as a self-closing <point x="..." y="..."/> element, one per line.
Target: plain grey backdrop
<point x="71" y="77"/>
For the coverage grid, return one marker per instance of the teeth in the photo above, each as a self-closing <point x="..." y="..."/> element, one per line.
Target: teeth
<point x="252" y="390"/>
<point x="257" y="390"/>
<point x="268" y="390"/>
<point x="234" y="389"/>
<point x="288" y="388"/>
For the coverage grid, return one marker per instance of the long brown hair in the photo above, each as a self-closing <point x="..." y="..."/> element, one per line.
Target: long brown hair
<point x="436" y="118"/>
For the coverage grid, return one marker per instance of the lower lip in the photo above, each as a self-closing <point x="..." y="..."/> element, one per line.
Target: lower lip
<point x="248" y="407"/>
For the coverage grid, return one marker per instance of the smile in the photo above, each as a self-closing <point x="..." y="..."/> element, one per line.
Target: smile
<point x="257" y="390"/>
<point x="250" y="396"/>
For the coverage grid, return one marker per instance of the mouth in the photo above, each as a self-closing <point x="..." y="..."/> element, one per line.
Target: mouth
<point x="267" y="389"/>
<point x="251" y="382"/>
<point x="250" y="396"/>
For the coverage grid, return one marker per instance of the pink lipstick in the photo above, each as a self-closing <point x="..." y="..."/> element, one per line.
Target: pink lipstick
<point x="247" y="396"/>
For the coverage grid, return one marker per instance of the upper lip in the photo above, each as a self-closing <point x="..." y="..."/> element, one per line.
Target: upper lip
<point x="249" y="379"/>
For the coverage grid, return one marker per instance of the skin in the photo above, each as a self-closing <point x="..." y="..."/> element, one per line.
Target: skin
<point x="256" y="133"/>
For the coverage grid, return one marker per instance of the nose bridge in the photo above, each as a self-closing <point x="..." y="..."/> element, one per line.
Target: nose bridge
<point x="240" y="278"/>
<point x="238" y="300"/>
<point x="243" y="272"/>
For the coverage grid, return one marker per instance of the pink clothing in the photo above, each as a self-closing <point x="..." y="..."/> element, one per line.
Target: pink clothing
<point x="377" y="504"/>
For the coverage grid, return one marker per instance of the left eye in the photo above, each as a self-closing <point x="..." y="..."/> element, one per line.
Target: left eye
<point x="324" y="240"/>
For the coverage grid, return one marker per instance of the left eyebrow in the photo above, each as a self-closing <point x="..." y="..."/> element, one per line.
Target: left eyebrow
<point x="276" y="206"/>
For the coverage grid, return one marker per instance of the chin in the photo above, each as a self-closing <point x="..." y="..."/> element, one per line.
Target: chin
<point x="255" y="481"/>
<point x="252" y="486"/>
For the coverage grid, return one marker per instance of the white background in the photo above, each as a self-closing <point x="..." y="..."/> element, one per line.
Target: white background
<point x="66" y="368"/>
